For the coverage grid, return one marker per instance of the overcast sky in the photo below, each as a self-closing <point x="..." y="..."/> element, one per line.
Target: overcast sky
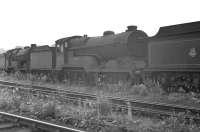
<point x="43" y="21"/>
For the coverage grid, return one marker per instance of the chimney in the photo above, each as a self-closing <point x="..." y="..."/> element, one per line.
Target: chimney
<point x="131" y="28"/>
<point x="33" y="45"/>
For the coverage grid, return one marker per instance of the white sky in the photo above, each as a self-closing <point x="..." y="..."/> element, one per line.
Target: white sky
<point x="23" y="22"/>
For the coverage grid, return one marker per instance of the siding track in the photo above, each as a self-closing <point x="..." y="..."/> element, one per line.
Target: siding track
<point x="124" y="103"/>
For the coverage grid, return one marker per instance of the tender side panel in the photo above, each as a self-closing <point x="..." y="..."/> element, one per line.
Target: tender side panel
<point x="41" y="60"/>
<point x="184" y="53"/>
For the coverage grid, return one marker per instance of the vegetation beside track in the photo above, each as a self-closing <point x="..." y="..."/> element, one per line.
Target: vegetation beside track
<point x="94" y="119"/>
<point x="150" y="91"/>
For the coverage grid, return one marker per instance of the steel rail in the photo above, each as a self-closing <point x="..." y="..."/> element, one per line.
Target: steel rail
<point x="37" y="123"/>
<point x="136" y="104"/>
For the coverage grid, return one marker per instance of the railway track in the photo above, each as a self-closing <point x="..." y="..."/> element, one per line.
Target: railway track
<point x="6" y="126"/>
<point x="125" y="103"/>
<point x="11" y="122"/>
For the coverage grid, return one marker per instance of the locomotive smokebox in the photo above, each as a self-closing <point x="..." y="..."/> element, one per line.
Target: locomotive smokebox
<point x="131" y="28"/>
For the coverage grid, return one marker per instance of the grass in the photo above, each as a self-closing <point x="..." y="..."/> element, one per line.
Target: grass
<point x="120" y="89"/>
<point x="150" y="90"/>
<point x="178" y="124"/>
<point x="95" y="119"/>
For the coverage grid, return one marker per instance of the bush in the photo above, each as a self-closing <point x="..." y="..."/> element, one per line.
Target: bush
<point x="94" y="119"/>
<point x="104" y="107"/>
<point x="8" y="100"/>
<point x="178" y="123"/>
<point x="24" y="107"/>
<point x="140" y="90"/>
<point x="3" y="74"/>
<point x="48" y="109"/>
<point x="153" y="87"/>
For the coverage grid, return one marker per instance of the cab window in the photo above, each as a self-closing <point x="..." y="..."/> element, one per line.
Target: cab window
<point x="60" y="48"/>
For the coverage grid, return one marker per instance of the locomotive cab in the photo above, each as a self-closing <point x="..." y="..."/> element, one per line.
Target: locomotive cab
<point x="60" y="55"/>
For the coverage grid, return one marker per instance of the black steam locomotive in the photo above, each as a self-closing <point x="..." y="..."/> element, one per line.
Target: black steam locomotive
<point x="171" y="57"/>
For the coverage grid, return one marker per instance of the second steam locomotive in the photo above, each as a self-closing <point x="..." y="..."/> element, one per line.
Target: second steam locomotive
<point x="171" y="57"/>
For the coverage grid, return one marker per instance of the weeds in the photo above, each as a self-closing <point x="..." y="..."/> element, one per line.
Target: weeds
<point x="95" y="118"/>
<point x="50" y="109"/>
<point x="178" y="124"/>
<point x="123" y="89"/>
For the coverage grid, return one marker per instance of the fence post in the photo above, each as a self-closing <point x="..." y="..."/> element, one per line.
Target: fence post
<point x="130" y="116"/>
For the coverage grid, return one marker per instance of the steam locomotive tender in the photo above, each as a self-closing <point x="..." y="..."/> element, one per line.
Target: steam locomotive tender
<point x="174" y="57"/>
